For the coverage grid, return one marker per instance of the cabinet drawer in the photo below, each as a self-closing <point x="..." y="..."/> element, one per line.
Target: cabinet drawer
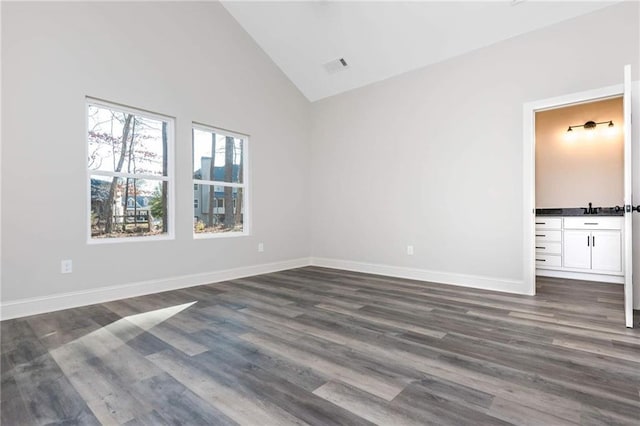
<point x="548" y="260"/>
<point x="544" y="235"/>
<point x="597" y="222"/>
<point x="548" y="223"/>
<point x="548" y="248"/>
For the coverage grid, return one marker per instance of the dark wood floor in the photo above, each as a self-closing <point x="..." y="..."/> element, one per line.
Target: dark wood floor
<point x="318" y="346"/>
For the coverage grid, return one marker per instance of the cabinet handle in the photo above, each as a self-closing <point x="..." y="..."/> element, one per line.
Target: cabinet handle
<point x="541" y="260"/>
<point x="587" y="240"/>
<point x="541" y="223"/>
<point x="591" y="223"/>
<point x="594" y="241"/>
<point x="541" y="235"/>
<point x="540" y="247"/>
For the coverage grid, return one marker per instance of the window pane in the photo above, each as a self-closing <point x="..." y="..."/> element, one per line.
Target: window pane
<point x="124" y="142"/>
<point x="218" y="209"/>
<point x="122" y="207"/>
<point x="227" y="164"/>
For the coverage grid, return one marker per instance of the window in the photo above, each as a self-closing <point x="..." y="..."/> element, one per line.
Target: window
<point x="196" y="203"/>
<point x="220" y="169"/>
<point x="128" y="163"/>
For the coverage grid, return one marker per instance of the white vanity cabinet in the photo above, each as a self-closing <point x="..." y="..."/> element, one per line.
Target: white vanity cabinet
<point x="580" y="247"/>
<point x="593" y="244"/>
<point x="577" y="249"/>
<point x="606" y="251"/>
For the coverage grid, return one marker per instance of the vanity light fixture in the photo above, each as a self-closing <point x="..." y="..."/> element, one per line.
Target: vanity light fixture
<point x="590" y="125"/>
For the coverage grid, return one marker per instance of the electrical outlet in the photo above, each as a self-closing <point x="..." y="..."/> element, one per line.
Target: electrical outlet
<point x="410" y="250"/>
<point x="66" y="266"/>
<point x="260" y="247"/>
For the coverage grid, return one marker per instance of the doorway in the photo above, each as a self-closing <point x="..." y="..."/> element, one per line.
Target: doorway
<point x="529" y="178"/>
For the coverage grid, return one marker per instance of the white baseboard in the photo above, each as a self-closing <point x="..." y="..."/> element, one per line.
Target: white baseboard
<point x="56" y="302"/>
<point x="616" y="279"/>
<point x="463" y="280"/>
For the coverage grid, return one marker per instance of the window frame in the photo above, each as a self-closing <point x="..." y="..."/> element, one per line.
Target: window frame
<point x="169" y="178"/>
<point x="245" y="185"/>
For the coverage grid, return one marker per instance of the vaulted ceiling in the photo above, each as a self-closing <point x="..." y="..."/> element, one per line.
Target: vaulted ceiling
<point x="381" y="39"/>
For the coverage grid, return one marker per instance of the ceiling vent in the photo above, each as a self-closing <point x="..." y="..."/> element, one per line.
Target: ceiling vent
<point x="336" y="65"/>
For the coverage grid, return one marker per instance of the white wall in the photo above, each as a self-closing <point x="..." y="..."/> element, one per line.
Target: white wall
<point x="433" y="158"/>
<point x="191" y="61"/>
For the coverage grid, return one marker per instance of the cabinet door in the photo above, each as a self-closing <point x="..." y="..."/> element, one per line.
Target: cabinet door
<point x="606" y="251"/>
<point x="577" y="249"/>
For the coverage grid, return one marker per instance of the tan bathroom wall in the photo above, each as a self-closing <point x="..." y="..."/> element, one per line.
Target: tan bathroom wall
<point x="575" y="168"/>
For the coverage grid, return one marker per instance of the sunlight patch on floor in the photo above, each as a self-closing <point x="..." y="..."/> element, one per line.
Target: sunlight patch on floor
<point x="73" y="356"/>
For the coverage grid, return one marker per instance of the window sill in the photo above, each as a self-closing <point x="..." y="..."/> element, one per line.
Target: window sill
<point x="213" y="236"/>
<point x="100" y="241"/>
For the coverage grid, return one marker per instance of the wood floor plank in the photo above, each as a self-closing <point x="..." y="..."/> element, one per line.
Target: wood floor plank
<point x="365" y="405"/>
<point x="520" y="414"/>
<point x="221" y="390"/>
<point x="407" y="326"/>
<point x="48" y="396"/>
<point x="368" y="383"/>
<point x="618" y="353"/>
<point x="322" y="346"/>
<point x="13" y="408"/>
<point x="621" y="384"/>
<point x="297" y="373"/>
<point x="178" y="405"/>
<point x="441" y="409"/>
<point x="271" y="387"/>
<point x="110" y="402"/>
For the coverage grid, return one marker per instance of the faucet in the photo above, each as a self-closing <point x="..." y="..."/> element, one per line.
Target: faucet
<point x="591" y="209"/>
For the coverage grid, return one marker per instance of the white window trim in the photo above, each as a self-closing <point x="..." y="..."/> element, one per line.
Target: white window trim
<point x="246" y="191"/>
<point x="169" y="178"/>
<point x="220" y="183"/>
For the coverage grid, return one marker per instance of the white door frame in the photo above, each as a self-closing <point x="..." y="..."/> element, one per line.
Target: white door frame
<point x="529" y="167"/>
<point x="628" y="200"/>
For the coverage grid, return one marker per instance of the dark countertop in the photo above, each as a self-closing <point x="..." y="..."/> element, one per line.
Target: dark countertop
<point x="579" y="211"/>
